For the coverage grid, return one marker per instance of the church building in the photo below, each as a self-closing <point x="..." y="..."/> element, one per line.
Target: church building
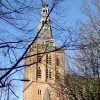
<point x="45" y="64"/>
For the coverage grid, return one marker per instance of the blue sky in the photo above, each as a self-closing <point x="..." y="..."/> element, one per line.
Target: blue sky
<point x="73" y="12"/>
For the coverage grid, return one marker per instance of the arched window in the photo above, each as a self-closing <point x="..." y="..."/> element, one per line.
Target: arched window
<point x="39" y="73"/>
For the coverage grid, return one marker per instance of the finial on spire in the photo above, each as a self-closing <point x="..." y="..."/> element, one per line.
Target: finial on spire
<point x="44" y="2"/>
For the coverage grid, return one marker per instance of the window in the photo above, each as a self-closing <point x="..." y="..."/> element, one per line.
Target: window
<point x="44" y="11"/>
<point x="48" y="59"/>
<point x="57" y="61"/>
<point x="39" y="72"/>
<point x="39" y="92"/>
<point x="48" y="73"/>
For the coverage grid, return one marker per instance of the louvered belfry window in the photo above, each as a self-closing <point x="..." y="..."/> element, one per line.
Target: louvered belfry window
<point x="48" y="59"/>
<point x="48" y="73"/>
<point x="39" y="73"/>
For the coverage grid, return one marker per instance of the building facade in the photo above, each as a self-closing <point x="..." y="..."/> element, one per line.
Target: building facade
<point x="45" y="64"/>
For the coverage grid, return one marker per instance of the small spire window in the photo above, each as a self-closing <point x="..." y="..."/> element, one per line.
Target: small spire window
<point x="45" y="11"/>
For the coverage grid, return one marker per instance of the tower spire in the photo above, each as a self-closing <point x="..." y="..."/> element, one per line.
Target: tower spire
<point x="45" y="21"/>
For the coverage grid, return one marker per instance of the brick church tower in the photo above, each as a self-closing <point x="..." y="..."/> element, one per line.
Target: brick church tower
<point x="45" y="68"/>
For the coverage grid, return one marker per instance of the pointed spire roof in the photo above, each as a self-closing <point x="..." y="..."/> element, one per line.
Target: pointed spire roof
<point x="46" y="95"/>
<point x="46" y="32"/>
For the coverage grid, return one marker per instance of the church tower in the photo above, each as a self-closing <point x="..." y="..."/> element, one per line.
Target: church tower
<point x="45" y="64"/>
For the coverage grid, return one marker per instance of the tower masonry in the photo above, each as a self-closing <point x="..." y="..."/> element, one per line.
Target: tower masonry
<point x="45" y="64"/>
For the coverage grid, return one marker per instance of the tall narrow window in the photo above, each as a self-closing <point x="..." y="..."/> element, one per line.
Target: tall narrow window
<point x="39" y="72"/>
<point x="39" y="92"/>
<point x="57" y="61"/>
<point x="50" y="73"/>
<point x="47" y="73"/>
<point x="48" y="59"/>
